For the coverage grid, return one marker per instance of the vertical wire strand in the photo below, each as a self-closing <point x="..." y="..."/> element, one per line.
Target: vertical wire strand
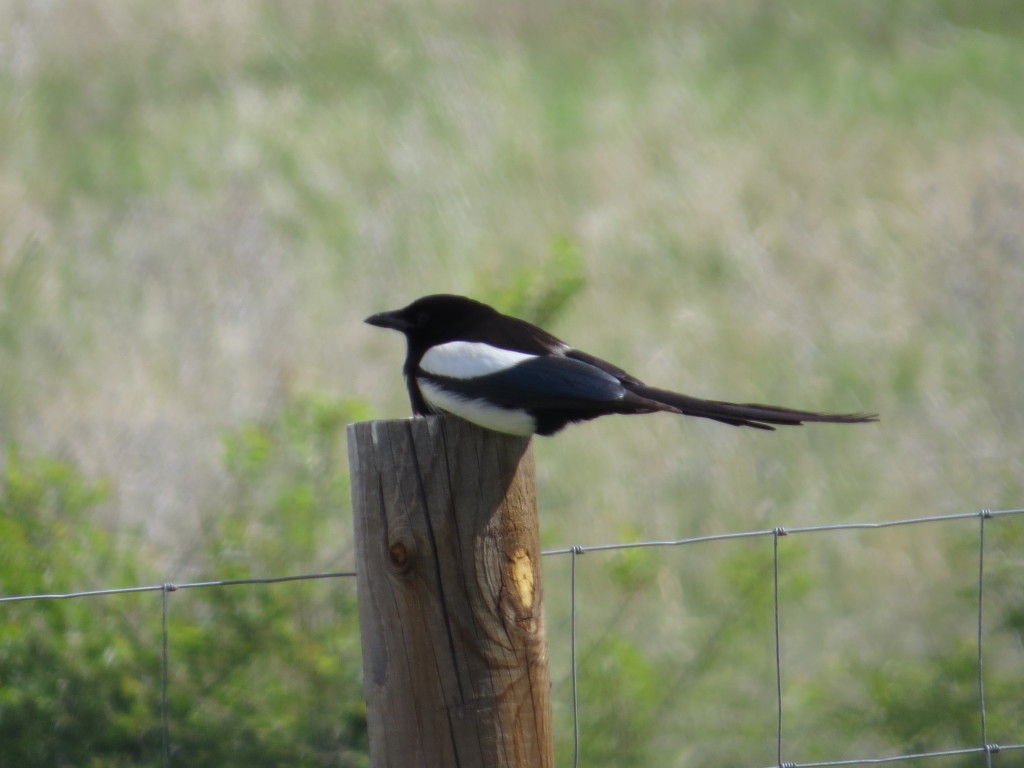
<point x="778" y="644"/>
<point x="981" y="627"/>
<point x="164" y="657"/>
<point x="572" y="660"/>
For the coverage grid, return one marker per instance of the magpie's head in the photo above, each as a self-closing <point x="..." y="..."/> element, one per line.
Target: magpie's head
<point x="435" y="319"/>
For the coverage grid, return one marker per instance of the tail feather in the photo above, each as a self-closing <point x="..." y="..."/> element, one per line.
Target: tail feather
<point x="746" y="414"/>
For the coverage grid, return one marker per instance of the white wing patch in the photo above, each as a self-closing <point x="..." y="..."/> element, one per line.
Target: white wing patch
<point x="481" y="413"/>
<point x="469" y="359"/>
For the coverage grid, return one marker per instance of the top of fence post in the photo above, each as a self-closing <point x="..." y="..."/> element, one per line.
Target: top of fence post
<point x="448" y="564"/>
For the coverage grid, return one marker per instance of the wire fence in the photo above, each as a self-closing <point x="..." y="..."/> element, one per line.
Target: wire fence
<point x="985" y="748"/>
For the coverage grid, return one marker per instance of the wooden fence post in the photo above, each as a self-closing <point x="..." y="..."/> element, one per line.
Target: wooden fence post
<point x="448" y="573"/>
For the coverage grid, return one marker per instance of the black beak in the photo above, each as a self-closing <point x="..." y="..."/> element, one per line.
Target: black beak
<point x="393" y="320"/>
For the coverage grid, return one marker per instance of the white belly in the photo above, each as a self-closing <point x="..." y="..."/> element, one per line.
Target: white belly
<point x="480" y="413"/>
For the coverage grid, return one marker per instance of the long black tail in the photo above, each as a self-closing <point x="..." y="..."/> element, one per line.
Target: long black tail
<point x="746" y="414"/>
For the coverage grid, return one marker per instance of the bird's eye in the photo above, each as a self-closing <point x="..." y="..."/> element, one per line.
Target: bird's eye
<point x="422" y="318"/>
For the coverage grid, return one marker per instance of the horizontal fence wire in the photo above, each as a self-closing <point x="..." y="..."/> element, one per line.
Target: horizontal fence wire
<point x="174" y="587"/>
<point x="782" y="532"/>
<point x="986" y="749"/>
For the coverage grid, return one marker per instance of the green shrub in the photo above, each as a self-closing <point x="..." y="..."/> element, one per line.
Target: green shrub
<point x="258" y="675"/>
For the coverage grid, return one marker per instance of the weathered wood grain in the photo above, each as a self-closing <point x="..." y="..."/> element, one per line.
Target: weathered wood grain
<point x="450" y="598"/>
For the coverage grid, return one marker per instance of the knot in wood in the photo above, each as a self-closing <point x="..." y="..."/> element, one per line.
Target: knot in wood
<point x="400" y="556"/>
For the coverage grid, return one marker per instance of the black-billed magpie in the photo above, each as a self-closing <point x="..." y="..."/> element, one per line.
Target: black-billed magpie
<point x="504" y="374"/>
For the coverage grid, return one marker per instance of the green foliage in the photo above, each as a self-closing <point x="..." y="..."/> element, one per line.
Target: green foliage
<point x="42" y="504"/>
<point x="619" y="690"/>
<point x="632" y="569"/>
<point x="861" y="60"/>
<point x="74" y="675"/>
<point x="928" y="705"/>
<point x="275" y="670"/>
<point x="537" y="292"/>
<point x="259" y="675"/>
<point x="928" y="700"/>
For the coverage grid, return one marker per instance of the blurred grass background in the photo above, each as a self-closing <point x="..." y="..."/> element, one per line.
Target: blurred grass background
<point x="812" y="204"/>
